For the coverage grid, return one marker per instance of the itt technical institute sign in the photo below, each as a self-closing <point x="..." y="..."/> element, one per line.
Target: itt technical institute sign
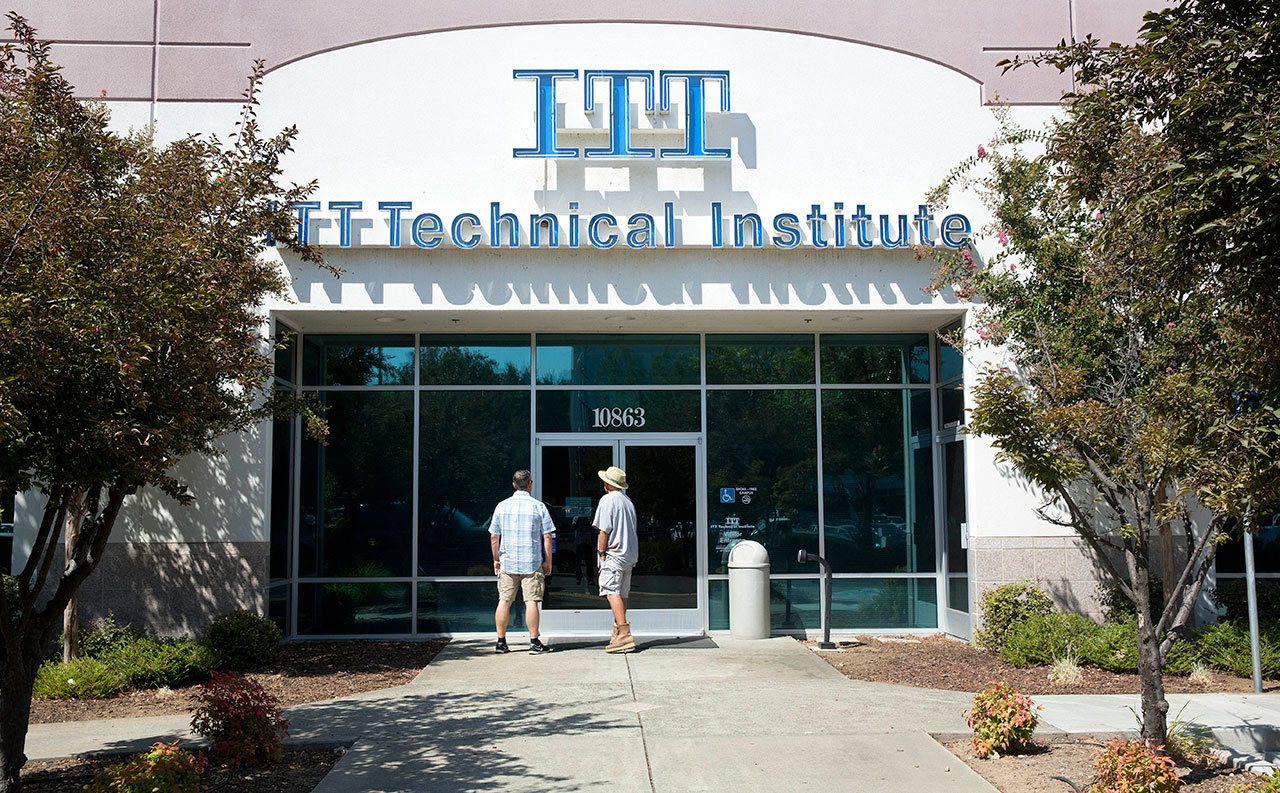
<point x="822" y="226"/>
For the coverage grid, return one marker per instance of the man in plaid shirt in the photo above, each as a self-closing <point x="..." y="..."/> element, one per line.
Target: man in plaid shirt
<point x="520" y="537"/>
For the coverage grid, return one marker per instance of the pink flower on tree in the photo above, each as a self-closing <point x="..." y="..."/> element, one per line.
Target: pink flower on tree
<point x="1003" y="238"/>
<point x="1097" y="215"/>
<point x="1171" y="324"/>
<point x="982" y="152"/>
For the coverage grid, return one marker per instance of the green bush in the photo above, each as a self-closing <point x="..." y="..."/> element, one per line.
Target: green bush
<point x="1182" y="657"/>
<point x="242" y="641"/>
<point x="165" y="767"/>
<point x="1002" y="719"/>
<point x="1007" y="606"/>
<point x="1231" y="596"/>
<point x="153" y="663"/>
<point x="1117" y="607"/>
<point x="1225" y="646"/>
<point x="104" y="635"/>
<point x="1041" y="638"/>
<point x="1113" y="647"/>
<point x="82" y="678"/>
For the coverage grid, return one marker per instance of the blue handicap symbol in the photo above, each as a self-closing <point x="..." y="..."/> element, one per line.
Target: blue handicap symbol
<point x="727" y="495"/>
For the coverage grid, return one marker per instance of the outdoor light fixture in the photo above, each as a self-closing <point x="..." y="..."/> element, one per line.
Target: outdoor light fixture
<point x="803" y="557"/>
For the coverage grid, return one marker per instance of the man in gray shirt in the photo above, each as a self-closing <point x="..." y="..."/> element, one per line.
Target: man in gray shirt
<point x="618" y="549"/>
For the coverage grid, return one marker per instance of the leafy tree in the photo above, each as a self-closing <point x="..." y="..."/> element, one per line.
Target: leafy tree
<point x="131" y="333"/>
<point x="1132" y="296"/>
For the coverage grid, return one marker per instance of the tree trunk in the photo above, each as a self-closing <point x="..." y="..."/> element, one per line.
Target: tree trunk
<point x="15" y="713"/>
<point x="71" y="615"/>
<point x="1155" y="707"/>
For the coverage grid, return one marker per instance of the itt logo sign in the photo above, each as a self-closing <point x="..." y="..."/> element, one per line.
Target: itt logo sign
<point x="618" y="84"/>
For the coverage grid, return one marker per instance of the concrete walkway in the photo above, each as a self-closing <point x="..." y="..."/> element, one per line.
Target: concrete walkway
<point x="680" y="715"/>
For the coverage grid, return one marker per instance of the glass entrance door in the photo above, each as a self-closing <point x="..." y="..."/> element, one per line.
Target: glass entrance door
<point x="663" y="475"/>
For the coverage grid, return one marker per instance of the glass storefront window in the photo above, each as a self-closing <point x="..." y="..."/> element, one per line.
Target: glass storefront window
<point x="281" y="495"/>
<point x="955" y="504"/>
<point x="471" y="442"/>
<point x="1266" y="549"/>
<point x="462" y="607"/>
<point x="357" y="490"/>
<point x="618" y="359"/>
<point x="357" y="360"/>
<point x="286" y="344"/>
<point x="950" y="406"/>
<point x="619" y="411"/>
<point x="278" y="606"/>
<point x="876" y="603"/>
<point x="475" y="359"/>
<point x="878" y="488"/>
<point x="950" y="359"/>
<point x="750" y="359"/>
<point x="354" y="609"/>
<point x="888" y="359"/>
<point x="793" y="605"/>
<point x="762" y="474"/>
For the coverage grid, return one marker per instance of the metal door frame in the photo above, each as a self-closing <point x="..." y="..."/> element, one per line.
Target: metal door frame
<point x="665" y="622"/>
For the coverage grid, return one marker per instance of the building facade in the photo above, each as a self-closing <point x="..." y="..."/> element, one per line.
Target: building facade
<point x="678" y="240"/>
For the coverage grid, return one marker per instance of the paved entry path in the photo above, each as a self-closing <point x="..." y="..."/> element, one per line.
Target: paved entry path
<point x="680" y="715"/>
<point x="688" y="715"/>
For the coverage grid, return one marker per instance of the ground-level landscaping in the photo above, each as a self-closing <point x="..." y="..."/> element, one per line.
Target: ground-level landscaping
<point x="299" y="771"/>
<point x="306" y="671"/>
<point x="1072" y="759"/>
<point x="943" y="662"/>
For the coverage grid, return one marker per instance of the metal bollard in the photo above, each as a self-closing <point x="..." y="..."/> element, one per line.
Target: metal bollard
<point x="804" y="557"/>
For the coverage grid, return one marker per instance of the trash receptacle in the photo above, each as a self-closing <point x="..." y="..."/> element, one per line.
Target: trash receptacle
<point x="749" y="591"/>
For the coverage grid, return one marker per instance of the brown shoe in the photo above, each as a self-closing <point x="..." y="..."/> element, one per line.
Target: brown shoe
<point x="622" y="641"/>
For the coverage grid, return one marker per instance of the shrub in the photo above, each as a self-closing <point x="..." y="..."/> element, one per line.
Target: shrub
<point x="104" y="634"/>
<point x="1007" y="606"/>
<point x="1191" y="744"/>
<point x="1225" y="646"/>
<point x="1231" y="596"/>
<point x="1042" y="638"/>
<point x="82" y="678"/>
<point x="241" y="718"/>
<point x="1183" y="658"/>
<point x="1113" y="647"/>
<point x="1133" y="767"/>
<point x="1117" y="607"/>
<point x="152" y="663"/>
<point x="242" y="641"/>
<point x="165" y="767"/>
<point x="1267" y="784"/>
<point x="1002" y="720"/>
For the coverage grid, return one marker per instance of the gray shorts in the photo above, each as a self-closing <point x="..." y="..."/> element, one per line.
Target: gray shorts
<point x="615" y="579"/>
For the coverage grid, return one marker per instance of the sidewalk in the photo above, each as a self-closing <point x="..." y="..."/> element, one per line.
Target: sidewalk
<point x="681" y="715"/>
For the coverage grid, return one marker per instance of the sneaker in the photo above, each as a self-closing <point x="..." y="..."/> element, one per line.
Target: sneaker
<point x="536" y="647"/>
<point x="501" y="647"/>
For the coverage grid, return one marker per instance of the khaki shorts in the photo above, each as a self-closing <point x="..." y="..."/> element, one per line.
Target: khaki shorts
<point x="614" y="578"/>
<point x="532" y="586"/>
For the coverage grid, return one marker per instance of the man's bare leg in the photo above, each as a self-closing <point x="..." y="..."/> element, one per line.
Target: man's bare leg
<point x="531" y="617"/>
<point x="618" y="605"/>
<point x="502" y="617"/>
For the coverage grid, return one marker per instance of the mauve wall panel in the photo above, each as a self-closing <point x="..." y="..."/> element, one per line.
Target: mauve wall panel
<point x="203" y="73"/>
<point x="89" y="20"/>
<point x="968" y="36"/>
<point x="1111" y="20"/>
<point x="123" y="71"/>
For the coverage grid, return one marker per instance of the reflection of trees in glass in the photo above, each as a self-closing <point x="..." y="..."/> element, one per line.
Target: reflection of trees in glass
<point x="461" y="364"/>
<point x="471" y="443"/>
<point x="356" y="505"/>
<point x="354" y="608"/>
<point x="868" y="524"/>
<point x="358" y="360"/>
<point x="764" y="439"/>
<point x="760" y="359"/>
<point x="619" y="359"/>
<point x="875" y="359"/>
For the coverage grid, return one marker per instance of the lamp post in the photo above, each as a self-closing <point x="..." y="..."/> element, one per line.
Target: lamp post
<point x="804" y="557"/>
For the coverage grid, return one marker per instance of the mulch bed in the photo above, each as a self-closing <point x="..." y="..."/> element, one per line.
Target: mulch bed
<point x="304" y="672"/>
<point x="942" y="662"/>
<point x="1073" y="758"/>
<point x="299" y="772"/>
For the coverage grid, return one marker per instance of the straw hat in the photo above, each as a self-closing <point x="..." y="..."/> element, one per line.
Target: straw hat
<point x="615" y="476"/>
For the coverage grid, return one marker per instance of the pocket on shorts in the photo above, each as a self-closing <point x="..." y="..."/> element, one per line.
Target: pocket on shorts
<point x="610" y="579"/>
